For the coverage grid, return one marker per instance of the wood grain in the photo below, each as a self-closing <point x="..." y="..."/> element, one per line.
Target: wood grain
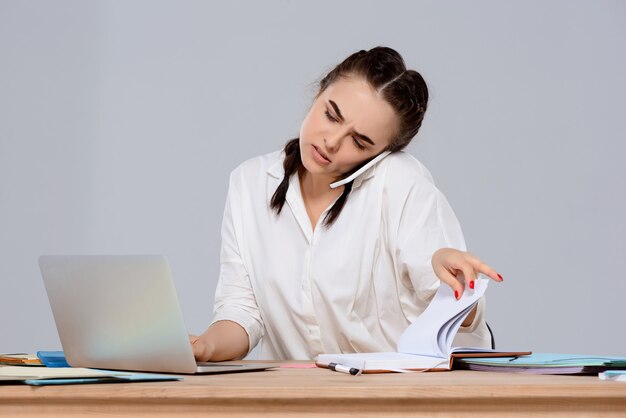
<point x="308" y="392"/>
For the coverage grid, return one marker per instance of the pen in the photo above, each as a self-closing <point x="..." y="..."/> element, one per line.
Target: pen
<point x="343" y="369"/>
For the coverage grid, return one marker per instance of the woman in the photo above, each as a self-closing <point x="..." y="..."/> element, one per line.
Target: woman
<point x="339" y="241"/>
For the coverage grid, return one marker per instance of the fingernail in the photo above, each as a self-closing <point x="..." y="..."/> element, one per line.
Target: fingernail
<point x="501" y="279"/>
<point x="456" y="294"/>
<point x="472" y="284"/>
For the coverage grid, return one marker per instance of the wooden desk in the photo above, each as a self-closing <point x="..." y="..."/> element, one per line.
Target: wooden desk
<point x="319" y="392"/>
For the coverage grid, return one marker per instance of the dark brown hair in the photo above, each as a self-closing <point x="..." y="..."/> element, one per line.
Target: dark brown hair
<point x="405" y="90"/>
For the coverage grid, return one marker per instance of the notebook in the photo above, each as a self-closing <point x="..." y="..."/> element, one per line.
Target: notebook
<point x="427" y="343"/>
<point x="121" y="312"/>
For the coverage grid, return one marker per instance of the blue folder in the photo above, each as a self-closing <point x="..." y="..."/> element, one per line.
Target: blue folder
<point x="52" y="358"/>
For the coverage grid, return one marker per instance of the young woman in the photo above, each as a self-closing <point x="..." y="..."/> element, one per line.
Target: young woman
<point x="340" y="240"/>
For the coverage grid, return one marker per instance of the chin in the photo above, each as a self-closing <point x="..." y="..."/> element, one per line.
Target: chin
<point x="311" y="166"/>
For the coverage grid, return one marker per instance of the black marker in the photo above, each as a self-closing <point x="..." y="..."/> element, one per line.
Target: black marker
<point x="343" y="369"/>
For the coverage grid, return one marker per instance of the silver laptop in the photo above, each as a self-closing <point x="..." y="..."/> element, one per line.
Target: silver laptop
<point x="122" y="313"/>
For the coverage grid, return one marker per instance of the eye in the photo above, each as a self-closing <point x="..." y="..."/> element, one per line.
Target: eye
<point x="358" y="143"/>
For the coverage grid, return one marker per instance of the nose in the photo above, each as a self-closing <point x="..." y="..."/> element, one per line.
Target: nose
<point x="334" y="139"/>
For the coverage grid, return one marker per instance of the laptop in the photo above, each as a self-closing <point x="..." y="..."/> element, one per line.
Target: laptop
<point x="121" y="312"/>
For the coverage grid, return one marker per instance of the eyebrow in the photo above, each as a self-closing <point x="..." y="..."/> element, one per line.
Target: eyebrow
<point x="361" y="136"/>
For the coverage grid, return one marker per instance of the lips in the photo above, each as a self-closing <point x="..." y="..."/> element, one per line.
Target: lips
<point x="320" y="153"/>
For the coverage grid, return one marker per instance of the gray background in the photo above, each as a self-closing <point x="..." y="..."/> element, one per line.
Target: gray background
<point x="121" y="120"/>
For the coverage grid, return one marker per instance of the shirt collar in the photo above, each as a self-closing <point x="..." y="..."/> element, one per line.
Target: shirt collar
<point x="276" y="168"/>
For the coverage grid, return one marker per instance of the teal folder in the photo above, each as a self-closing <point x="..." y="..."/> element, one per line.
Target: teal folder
<point x="133" y="377"/>
<point x="550" y="360"/>
<point x="543" y="363"/>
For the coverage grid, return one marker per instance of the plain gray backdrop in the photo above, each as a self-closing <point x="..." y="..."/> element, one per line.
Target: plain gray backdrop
<point x="121" y="120"/>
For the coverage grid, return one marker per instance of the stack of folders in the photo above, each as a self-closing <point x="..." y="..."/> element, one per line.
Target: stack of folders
<point x="54" y="370"/>
<point x="543" y="363"/>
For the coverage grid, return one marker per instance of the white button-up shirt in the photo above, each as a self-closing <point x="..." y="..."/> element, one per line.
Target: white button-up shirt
<point x="352" y="287"/>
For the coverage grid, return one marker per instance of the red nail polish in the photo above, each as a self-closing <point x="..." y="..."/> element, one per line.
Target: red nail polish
<point x="501" y="279"/>
<point x="472" y="284"/>
<point x="456" y="294"/>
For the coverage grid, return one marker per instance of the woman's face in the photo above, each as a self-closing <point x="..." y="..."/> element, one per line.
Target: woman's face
<point x="347" y="124"/>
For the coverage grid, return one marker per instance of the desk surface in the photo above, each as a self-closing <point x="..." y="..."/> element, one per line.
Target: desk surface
<point x="307" y="392"/>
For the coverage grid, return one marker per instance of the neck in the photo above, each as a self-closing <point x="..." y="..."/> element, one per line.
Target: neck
<point x="317" y="185"/>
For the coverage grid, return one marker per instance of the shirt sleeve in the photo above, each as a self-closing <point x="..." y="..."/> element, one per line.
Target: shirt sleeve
<point x="428" y="223"/>
<point x="234" y="296"/>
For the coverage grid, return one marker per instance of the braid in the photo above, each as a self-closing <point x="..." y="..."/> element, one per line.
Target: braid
<point x="291" y="164"/>
<point x="334" y="212"/>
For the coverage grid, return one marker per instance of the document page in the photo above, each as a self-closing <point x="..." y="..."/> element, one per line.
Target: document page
<point x="423" y="337"/>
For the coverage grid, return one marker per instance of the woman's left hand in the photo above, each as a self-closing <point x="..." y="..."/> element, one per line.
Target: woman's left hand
<point x="457" y="268"/>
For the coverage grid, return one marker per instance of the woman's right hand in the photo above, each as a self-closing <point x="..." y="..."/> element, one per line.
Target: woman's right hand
<point x="223" y="340"/>
<point x="201" y="350"/>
